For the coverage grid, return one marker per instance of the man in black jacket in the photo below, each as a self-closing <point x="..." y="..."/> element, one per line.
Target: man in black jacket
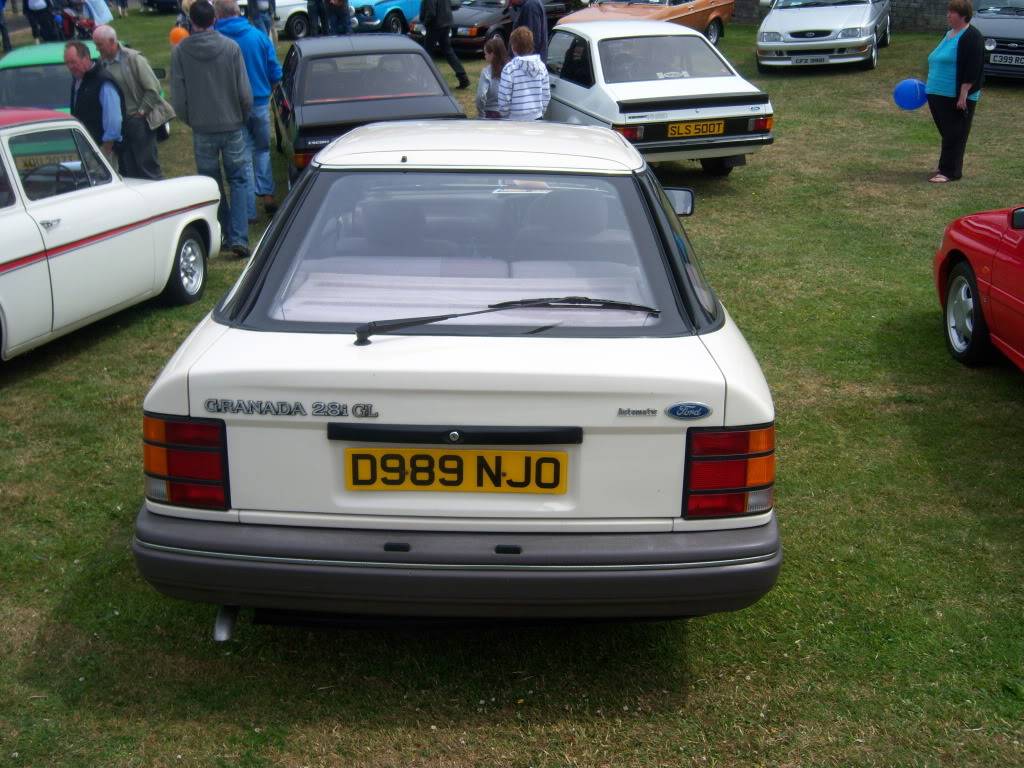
<point x="532" y="15"/>
<point x="96" y="100"/>
<point x="436" y="16"/>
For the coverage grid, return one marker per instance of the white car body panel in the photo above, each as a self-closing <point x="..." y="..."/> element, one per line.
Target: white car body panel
<point x="793" y="23"/>
<point x="26" y="309"/>
<point x="94" y="250"/>
<point x="484" y="381"/>
<point x="598" y="105"/>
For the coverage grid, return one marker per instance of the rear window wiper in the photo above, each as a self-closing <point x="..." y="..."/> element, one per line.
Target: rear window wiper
<point x="363" y="332"/>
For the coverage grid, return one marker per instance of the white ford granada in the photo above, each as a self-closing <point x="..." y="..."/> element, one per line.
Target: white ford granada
<point x="468" y="372"/>
<point x="79" y="242"/>
<point x="662" y="86"/>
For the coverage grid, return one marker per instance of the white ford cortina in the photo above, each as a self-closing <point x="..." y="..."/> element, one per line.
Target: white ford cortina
<point x="80" y="242"/>
<point x="662" y="86"/>
<point x="469" y="372"/>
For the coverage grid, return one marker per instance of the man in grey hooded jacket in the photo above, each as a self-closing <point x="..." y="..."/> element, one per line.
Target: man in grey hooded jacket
<point x="210" y="93"/>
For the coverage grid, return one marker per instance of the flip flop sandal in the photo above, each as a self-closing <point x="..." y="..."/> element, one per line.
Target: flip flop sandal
<point x="939" y="178"/>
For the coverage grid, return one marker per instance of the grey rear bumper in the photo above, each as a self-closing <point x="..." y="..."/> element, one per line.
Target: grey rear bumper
<point x="412" y="573"/>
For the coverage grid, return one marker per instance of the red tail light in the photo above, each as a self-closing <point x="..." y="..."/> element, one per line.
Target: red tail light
<point x="763" y="124"/>
<point x="185" y="461"/>
<point x="631" y="132"/>
<point x="302" y="159"/>
<point x="729" y="472"/>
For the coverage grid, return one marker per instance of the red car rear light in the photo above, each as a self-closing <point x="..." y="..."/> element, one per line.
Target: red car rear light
<point x="631" y="132"/>
<point x="185" y="461"/>
<point x="302" y="159"/>
<point x="760" y="123"/>
<point x="729" y="472"/>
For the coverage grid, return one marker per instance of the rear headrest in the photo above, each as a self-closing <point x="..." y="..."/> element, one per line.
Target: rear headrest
<point x="580" y="214"/>
<point x="395" y="222"/>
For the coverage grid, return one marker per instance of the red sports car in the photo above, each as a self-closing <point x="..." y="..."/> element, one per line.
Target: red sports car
<point x="979" y="273"/>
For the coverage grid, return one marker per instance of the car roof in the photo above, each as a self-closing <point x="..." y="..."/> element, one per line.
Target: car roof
<point x="36" y="55"/>
<point x="361" y="43"/>
<point x="482" y="144"/>
<point x="605" y="30"/>
<point x="15" y="116"/>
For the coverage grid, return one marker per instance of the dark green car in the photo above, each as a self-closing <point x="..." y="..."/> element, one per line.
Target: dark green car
<point x="35" y="76"/>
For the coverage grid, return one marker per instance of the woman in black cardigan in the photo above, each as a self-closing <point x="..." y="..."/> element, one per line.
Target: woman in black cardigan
<point x="954" y="85"/>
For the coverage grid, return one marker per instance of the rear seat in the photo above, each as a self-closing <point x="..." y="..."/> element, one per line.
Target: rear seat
<point x="410" y="266"/>
<point x="562" y="269"/>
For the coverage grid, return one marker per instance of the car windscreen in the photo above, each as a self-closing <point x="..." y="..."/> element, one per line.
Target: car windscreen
<point x="673" y="57"/>
<point x="363" y="77"/>
<point x="384" y="245"/>
<point x="817" y="3"/>
<point x="1001" y="8"/>
<point x="47" y="86"/>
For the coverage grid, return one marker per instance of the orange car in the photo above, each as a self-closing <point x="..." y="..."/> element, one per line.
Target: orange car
<point x="707" y="16"/>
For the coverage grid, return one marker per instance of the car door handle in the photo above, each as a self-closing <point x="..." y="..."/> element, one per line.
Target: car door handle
<point x="49" y="224"/>
<point x="552" y="86"/>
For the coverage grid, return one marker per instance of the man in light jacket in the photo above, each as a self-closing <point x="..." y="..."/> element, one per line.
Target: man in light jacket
<point x="211" y="94"/>
<point x="145" y="110"/>
<point x="264" y="70"/>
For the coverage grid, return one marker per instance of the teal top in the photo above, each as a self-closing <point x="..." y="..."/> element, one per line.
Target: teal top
<point x="942" y="68"/>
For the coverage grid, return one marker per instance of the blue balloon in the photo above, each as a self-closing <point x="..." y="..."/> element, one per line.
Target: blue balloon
<point x="909" y="94"/>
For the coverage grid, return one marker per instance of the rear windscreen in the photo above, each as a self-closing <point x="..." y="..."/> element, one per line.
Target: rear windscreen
<point x="47" y="86"/>
<point x="368" y="76"/>
<point x="378" y="245"/>
<point x="673" y="57"/>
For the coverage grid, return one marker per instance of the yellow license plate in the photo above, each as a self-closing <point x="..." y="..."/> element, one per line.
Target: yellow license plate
<point x="467" y="471"/>
<point x="697" y="128"/>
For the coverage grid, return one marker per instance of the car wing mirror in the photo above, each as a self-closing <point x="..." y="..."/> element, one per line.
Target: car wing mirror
<point x="160" y="73"/>
<point x="682" y="200"/>
<point x="1018" y="219"/>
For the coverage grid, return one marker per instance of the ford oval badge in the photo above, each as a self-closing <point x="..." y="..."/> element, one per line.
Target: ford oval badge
<point x="688" y="411"/>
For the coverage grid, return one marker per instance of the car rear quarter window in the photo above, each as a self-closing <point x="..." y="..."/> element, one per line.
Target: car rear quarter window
<point x="383" y="245"/>
<point x="672" y="57"/>
<point x="370" y="76"/>
<point x="6" y="190"/>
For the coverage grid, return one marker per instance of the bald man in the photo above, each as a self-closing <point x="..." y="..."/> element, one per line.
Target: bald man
<point x="144" y="108"/>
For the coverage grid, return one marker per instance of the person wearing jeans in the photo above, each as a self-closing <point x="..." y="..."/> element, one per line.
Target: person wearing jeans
<point x="230" y="148"/>
<point x="263" y="71"/>
<point x="6" y="38"/>
<point x="210" y="93"/>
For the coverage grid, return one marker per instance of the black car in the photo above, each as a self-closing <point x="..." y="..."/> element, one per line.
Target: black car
<point x="1002" y="24"/>
<point x="334" y="84"/>
<point x="476" y="21"/>
<point x="162" y="6"/>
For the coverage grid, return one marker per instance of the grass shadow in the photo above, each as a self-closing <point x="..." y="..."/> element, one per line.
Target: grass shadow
<point x="38" y="361"/>
<point x="116" y="649"/>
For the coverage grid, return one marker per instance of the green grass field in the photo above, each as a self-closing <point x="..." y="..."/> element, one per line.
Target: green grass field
<point x="894" y="636"/>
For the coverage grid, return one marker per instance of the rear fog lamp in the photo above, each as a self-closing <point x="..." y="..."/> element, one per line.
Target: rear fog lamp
<point x="729" y="472"/>
<point x="185" y="461"/>
<point x="761" y="123"/>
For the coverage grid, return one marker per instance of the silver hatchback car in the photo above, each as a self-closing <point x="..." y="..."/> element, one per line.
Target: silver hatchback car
<point x="816" y="32"/>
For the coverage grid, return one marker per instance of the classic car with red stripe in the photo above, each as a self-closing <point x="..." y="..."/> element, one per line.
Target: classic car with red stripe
<point x="80" y="242"/>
